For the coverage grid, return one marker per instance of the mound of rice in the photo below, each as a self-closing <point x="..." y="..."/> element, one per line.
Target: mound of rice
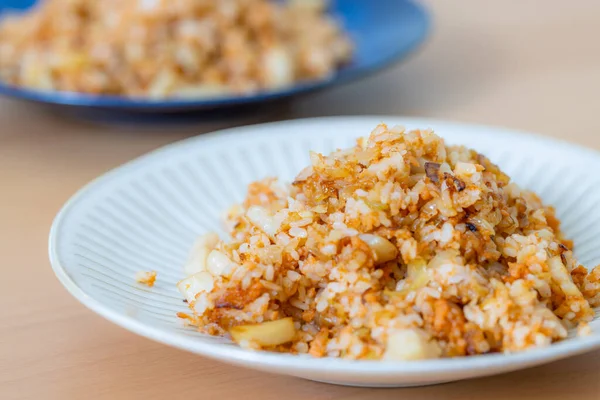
<point x="162" y="48"/>
<point x="400" y="248"/>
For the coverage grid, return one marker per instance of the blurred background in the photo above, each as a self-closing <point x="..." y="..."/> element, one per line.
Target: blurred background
<point x="532" y="65"/>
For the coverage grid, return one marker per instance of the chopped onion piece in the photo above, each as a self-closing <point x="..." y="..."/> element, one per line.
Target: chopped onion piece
<point x="417" y="274"/>
<point x="383" y="249"/>
<point x="260" y="217"/>
<point x="197" y="283"/>
<point x="270" y="333"/>
<point x="196" y="261"/>
<point x="411" y="344"/>
<point x="219" y="264"/>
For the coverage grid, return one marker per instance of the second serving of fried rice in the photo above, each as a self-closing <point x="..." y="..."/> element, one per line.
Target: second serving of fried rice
<point x="170" y="48"/>
<point x="400" y="248"/>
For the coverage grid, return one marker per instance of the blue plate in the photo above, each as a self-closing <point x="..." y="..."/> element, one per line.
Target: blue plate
<point x="383" y="31"/>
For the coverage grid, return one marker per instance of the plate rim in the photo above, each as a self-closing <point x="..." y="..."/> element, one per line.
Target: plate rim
<point x="478" y="365"/>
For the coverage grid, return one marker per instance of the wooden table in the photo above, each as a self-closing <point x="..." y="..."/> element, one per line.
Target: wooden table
<point x="532" y="65"/>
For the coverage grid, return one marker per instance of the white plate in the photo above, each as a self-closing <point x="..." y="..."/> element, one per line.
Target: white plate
<point x="146" y="214"/>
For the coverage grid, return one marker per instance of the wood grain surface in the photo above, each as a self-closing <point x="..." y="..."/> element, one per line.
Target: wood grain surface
<point x="531" y="65"/>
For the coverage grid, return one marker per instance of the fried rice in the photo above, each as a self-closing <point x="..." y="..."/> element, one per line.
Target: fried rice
<point x="400" y="248"/>
<point x="170" y="48"/>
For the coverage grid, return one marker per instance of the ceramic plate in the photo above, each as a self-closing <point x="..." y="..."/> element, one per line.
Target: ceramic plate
<point x="383" y="31"/>
<point x="146" y="214"/>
